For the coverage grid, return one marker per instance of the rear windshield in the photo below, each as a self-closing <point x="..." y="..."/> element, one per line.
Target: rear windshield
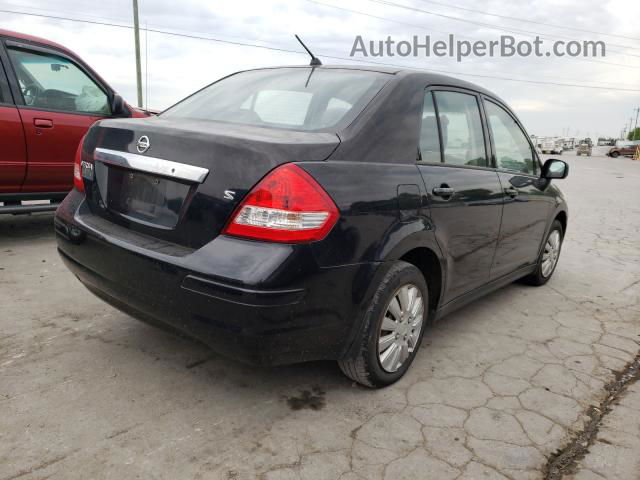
<point x="288" y="98"/>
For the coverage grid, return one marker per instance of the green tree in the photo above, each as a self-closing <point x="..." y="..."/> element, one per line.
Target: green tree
<point x="634" y="134"/>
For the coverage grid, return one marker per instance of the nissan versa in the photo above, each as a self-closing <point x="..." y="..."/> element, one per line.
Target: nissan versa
<point x="291" y="214"/>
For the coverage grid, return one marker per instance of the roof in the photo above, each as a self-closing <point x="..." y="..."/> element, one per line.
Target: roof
<point x="34" y="39"/>
<point x="425" y="76"/>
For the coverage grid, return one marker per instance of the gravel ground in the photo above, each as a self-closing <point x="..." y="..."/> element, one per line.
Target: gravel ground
<point x="497" y="389"/>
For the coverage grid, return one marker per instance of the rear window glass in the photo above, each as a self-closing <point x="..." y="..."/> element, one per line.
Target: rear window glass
<point x="288" y="98"/>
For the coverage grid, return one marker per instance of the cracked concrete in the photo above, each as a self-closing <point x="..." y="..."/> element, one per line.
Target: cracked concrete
<point x="86" y="392"/>
<point x="615" y="452"/>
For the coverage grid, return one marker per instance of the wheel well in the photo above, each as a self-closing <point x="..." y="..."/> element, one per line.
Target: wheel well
<point x="427" y="262"/>
<point x="562" y="218"/>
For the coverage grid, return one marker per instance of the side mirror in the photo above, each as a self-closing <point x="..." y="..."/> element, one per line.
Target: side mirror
<point x="117" y="106"/>
<point x="553" y="168"/>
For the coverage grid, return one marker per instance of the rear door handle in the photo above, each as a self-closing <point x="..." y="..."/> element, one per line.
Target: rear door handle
<point x="43" y="123"/>
<point x="443" y="191"/>
<point x="511" y="191"/>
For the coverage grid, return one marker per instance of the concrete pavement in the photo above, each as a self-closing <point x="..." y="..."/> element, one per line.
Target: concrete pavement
<point x="497" y="388"/>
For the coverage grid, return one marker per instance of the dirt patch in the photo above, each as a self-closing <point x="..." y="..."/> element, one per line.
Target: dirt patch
<point x="564" y="460"/>
<point x="313" y="400"/>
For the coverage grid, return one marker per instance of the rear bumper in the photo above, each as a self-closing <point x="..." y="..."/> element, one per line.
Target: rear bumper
<point x="259" y="303"/>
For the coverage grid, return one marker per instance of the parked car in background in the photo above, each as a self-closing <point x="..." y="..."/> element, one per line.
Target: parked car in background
<point x="606" y="141"/>
<point x="49" y="97"/>
<point x="568" y="143"/>
<point x="291" y="214"/>
<point x="584" y="149"/>
<point x="628" y="149"/>
<point x="551" y="146"/>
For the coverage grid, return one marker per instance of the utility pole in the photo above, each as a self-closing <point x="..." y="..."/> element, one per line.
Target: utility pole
<point x="136" y="30"/>
<point x="635" y="128"/>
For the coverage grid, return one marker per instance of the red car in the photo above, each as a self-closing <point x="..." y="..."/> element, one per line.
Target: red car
<point x="49" y="98"/>
<point x="628" y="150"/>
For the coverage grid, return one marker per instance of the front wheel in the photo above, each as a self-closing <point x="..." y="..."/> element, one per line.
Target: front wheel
<point x="392" y="329"/>
<point x="548" y="258"/>
<point x="614" y="154"/>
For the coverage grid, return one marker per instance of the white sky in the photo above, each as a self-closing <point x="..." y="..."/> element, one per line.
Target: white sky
<point x="178" y="66"/>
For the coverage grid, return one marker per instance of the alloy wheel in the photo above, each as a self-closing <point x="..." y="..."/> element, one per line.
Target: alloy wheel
<point x="400" y="328"/>
<point x="551" y="253"/>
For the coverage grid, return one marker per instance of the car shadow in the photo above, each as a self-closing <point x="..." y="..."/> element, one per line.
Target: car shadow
<point x="26" y="226"/>
<point x="300" y="386"/>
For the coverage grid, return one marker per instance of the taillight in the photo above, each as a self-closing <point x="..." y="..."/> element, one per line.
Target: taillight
<point x="286" y="206"/>
<point x="78" y="184"/>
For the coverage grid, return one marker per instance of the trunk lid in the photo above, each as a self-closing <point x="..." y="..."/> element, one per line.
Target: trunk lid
<point x="185" y="185"/>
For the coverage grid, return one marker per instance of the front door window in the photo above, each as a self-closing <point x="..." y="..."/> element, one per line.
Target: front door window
<point x="51" y="82"/>
<point x="513" y="151"/>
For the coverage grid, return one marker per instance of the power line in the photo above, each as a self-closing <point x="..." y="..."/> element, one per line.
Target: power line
<point x="285" y="50"/>
<point x="358" y="12"/>
<point x="164" y="32"/>
<point x="478" y="75"/>
<point x="120" y="21"/>
<point x="333" y="57"/>
<point x="488" y="25"/>
<point x="564" y="27"/>
<point x="494" y="26"/>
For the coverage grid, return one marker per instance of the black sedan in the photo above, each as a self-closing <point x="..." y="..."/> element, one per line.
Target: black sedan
<point x="292" y="214"/>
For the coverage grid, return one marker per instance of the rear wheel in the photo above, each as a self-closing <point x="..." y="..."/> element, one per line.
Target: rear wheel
<point x="548" y="258"/>
<point x="393" y="326"/>
<point x="614" y="154"/>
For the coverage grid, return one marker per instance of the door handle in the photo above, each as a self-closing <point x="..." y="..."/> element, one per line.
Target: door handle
<point x="443" y="191"/>
<point x="43" y="123"/>
<point x="511" y="191"/>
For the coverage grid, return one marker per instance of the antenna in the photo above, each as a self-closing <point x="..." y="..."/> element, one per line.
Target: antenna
<point x="315" y="61"/>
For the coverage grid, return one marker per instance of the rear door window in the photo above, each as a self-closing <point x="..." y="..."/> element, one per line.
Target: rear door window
<point x="52" y="82"/>
<point x="461" y="127"/>
<point x="429" y="137"/>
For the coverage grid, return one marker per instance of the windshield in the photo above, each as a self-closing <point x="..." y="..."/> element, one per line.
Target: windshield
<point x="289" y="98"/>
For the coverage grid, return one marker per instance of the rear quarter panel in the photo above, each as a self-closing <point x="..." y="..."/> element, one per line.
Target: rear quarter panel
<point x="376" y="224"/>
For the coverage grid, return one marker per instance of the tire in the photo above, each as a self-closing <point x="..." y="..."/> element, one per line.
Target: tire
<point x="541" y="274"/>
<point x="363" y="363"/>
<point x="614" y="154"/>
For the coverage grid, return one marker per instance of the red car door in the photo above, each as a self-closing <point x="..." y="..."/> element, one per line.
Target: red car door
<point x="60" y="101"/>
<point x="13" y="154"/>
<point x="52" y="140"/>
